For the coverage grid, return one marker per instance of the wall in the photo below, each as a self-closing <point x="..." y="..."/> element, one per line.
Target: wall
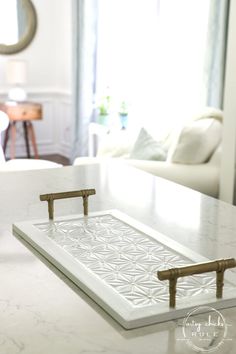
<point x="49" y="76"/>
<point x="227" y="175"/>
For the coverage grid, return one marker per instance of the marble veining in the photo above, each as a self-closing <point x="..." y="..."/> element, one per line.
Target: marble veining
<point x="41" y="312"/>
<point x="125" y="258"/>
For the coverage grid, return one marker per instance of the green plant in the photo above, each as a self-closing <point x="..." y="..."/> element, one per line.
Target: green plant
<point x="123" y="111"/>
<point x="104" y="106"/>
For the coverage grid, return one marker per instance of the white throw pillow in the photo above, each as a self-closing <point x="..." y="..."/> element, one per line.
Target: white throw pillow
<point x="197" y="142"/>
<point x="146" y="148"/>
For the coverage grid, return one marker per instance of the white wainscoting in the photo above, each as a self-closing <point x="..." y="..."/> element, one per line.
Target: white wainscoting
<point x="53" y="132"/>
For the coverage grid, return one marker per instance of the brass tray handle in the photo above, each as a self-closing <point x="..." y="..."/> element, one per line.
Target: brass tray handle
<point x="84" y="193"/>
<point x="218" y="266"/>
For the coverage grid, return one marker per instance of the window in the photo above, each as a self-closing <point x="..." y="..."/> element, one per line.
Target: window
<point x="151" y="54"/>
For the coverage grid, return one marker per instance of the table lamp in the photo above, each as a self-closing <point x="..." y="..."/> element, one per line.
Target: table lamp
<point x="16" y="76"/>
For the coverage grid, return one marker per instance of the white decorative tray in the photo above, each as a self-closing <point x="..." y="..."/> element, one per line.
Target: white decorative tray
<point x="114" y="259"/>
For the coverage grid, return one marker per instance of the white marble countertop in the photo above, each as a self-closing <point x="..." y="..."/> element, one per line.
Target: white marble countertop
<point x="42" y="312"/>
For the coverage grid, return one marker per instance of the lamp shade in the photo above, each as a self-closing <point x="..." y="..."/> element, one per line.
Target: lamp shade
<point x="16" y="72"/>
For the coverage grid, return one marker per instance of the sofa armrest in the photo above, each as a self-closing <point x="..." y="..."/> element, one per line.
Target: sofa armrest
<point x="201" y="177"/>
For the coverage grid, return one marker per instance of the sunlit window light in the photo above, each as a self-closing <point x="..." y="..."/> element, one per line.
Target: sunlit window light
<point x="152" y="54"/>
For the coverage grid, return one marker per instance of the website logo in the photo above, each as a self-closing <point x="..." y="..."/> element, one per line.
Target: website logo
<point x="205" y="329"/>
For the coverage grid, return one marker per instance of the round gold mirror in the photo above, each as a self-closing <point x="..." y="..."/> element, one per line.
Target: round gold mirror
<point x="18" y="24"/>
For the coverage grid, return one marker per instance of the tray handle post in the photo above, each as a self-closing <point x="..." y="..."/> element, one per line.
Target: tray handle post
<point x="172" y="274"/>
<point x="84" y="193"/>
<point x="50" y="207"/>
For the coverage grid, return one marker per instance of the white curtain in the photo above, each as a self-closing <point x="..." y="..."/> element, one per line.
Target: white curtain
<point x="84" y="68"/>
<point x="128" y="56"/>
<point x="214" y="70"/>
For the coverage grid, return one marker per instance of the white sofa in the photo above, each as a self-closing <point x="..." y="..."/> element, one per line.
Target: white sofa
<point x="202" y="177"/>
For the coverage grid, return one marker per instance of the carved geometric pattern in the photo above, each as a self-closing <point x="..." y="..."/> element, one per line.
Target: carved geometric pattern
<point x="125" y="258"/>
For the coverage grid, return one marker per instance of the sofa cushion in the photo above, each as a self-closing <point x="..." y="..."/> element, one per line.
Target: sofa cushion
<point x="116" y="144"/>
<point x="197" y="142"/>
<point x="147" y="148"/>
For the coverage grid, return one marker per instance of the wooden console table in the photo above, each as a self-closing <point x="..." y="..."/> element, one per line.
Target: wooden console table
<point x="24" y="112"/>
